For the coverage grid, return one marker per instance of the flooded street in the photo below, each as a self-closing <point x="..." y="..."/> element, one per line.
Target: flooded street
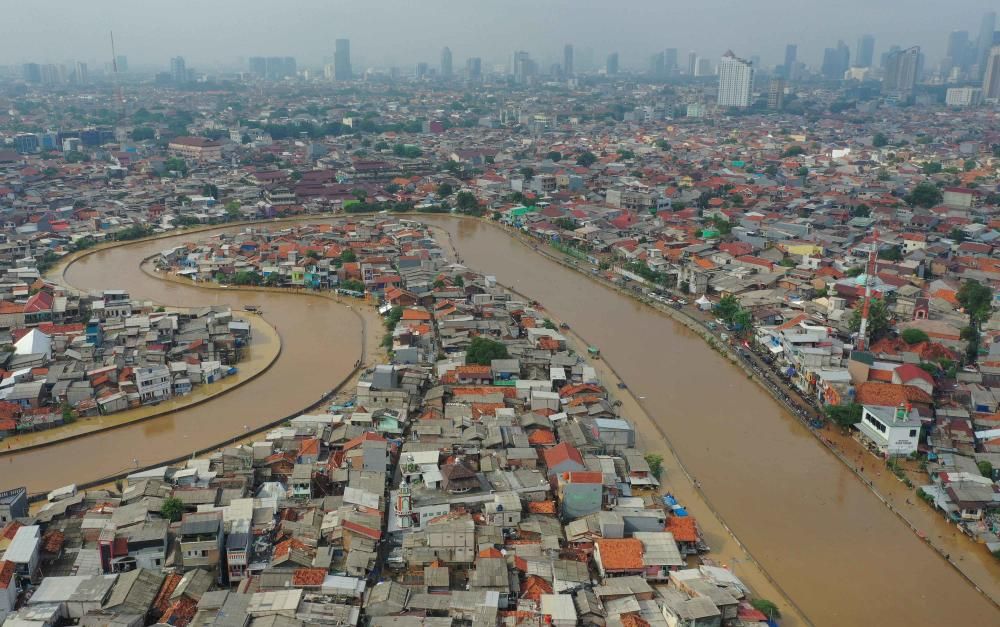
<point x="833" y="547"/>
<point x="320" y="342"/>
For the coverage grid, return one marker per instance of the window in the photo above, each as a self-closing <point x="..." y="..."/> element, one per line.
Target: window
<point x="913" y="433"/>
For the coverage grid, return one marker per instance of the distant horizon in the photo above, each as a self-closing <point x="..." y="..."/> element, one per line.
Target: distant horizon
<point x="223" y="34"/>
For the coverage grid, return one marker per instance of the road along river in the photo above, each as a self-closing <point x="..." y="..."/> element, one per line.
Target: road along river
<point x="321" y="340"/>
<point x="833" y="547"/>
<point x="828" y="541"/>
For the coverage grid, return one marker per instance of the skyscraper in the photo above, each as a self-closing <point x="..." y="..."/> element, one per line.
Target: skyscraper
<point x="958" y="52"/>
<point x="670" y="60"/>
<point x="568" y="60"/>
<point x="692" y="62"/>
<point x="446" y="69"/>
<point x="178" y="70"/>
<point x="991" y="76"/>
<point x="791" y="59"/>
<point x="611" y="66"/>
<point x="657" y="68"/>
<point x="258" y="66"/>
<point x="342" y="60"/>
<point x="984" y="44"/>
<point x="32" y="72"/>
<point x="864" y="51"/>
<point x="81" y="76"/>
<point x="776" y="94"/>
<point x="474" y="68"/>
<point x="122" y="62"/>
<point x="735" y="81"/>
<point x="901" y="72"/>
<point x="836" y="61"/>
<point x="522" y="67"/>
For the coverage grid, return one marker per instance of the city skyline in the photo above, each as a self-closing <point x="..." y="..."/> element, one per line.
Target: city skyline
<point x="472" y="30"/>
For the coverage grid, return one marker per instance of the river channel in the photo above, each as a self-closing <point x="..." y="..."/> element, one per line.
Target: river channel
<point x="834" y="547"/>
<point x="321" y="340"/>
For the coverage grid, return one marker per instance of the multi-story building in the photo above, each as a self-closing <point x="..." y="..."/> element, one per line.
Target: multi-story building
<point x="153" y="383"/>
<point x="991" y="77"/>
<point x="197" y="148"/>
<point x="901" y="72"/>
<point x="864" y="51"/>
<point x="611" y="67"/>
<point x="776" y="94"/>
<point x="13" y="504"/>
<point x="735" y="81"/>
<point x="342" y="60"/>
<point x="963" y="96"/>
<point x="200" y="539"/>
<point x="568" y="60"/>
<point x="26" y="143"/>
<point x="178" y="70"/>
<point x="791" y="59"/>
<point x="446" y="67"/>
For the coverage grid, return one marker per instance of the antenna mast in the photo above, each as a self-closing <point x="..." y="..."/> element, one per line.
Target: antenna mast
<point x="118" y="88"/>
<point x="862" y="343"/>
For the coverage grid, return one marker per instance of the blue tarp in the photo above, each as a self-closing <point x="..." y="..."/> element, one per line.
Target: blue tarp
<point x="680" y="511"/>
<point x="669" y="500"/>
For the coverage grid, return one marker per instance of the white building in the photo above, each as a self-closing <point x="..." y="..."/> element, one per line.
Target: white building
<point x="891" y="430"/>
<point x="735" y="81"/>
<point x="963" y="96"/>
<point x="153" y="383"/>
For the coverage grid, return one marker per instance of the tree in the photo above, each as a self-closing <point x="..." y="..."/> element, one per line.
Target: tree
<point x="353" y="285"/>
<point x="878" y="318"/>
<point x="767" y="607"/>
<point x="554" y="155"/>
<point x="914" y="336"/>
<point x="924" y="195"/>
<point x="587" y="159"/>
<point x="893" y="253"/>
<point x="444" y="190"/>
<point x="844" y="415"/>
<point x="655" y="464"/>
<point x="932" y="167"/>
<point x="176" y="164"/>
<point x="985" y="468"/>
<point x="771" y="171"/>
<point x="977" y="301"/>
<point x="727" y="308"/>
<point x="466" y="202"/>
<point x="879" y="140"/>
<point x="803" y="171"/>
<point x="483" y="350"/>
<point x="143" y="133"/>
<point x="793" y="151"/>
<point x="208" y="189"/>
<point x="348" y="256"/>
<point x="172" y="509"/>
<point x="527" y="172"/>
<point x="663" y="145"/>
<point x="861" y="211"/>
<point x="360" y="194"/>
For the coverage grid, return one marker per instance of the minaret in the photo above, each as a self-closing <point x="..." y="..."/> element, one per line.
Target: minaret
<point x="403" y="506"/>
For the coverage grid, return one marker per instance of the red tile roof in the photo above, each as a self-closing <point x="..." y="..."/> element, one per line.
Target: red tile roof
<point x="620" y="553"/>
<point x="560" y="453"/>
<point x="308" y="577"/>
<point x="684" y="528"/>
<point x="6" y="574"/>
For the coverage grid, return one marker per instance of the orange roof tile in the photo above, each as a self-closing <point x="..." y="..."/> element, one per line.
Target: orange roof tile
<point x="620" y="553"/>
<point x="684" y="528"/>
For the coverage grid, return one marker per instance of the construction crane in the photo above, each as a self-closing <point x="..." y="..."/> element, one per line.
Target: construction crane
<point x="862" y="342"/>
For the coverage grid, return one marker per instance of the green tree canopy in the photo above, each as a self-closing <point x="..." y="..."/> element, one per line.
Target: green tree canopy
<point x="348" y="256"/>
<point x="914" y="336"/>
<point x="172" y="509"/>
<point x="879" y="140"/>
<point x="587" y="159"/>
<point x="844" y="415"/>
<point x="925" y="195"/>
<point x="483" y="350"/>
<point x="444" y="190"/>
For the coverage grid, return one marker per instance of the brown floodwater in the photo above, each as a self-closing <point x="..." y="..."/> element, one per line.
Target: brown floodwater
<point x="321" y="340"/>
<point x="828" y="541"/>
<point x="834" y="548"/>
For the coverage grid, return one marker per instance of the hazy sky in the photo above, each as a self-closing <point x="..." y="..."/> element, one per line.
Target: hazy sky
<point x="401" y="32"/>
